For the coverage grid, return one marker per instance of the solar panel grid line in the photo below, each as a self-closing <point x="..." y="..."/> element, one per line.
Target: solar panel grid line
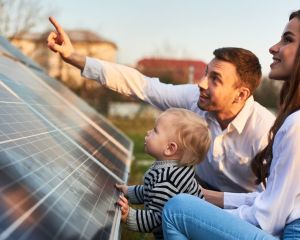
<point x="127" y="166"/>
<point x="65" y="135"/>
<point x="67" y="219"/>
<point x="55" y="144"/>
<point x="27" y="137"/>
<point x="8" y="89"/>
<point x="26" y="175"/>
<point x="92" y="123"/>
<point x="92" y="217"/>
<point x="86" y="109"/>
<point x="29" y="231"/>
<point x="7" y="232"/>
<point x="9" y="211"/>
<point x="91" y="213"/>
<point x="110" y="156"/>
<point x="10" y="126"/>
<point x="1" y="101"/>
<point x="86" y="221"/>
<point x="127" y="158"/>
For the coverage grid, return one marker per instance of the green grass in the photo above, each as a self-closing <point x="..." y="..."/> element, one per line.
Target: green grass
<point x="136" y="130"/>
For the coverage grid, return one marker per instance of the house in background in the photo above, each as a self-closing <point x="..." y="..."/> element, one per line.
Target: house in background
<point x="85" y="42"/>
<point x="172" y="70"/>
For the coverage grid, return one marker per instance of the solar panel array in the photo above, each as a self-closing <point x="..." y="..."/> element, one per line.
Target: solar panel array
<point x="59" y="158"/>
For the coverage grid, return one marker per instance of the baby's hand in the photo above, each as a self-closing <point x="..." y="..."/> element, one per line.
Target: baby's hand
<point x="123" y="203"/>
<point x="122" y="188"/>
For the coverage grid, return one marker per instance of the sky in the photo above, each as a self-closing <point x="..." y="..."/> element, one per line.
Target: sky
<point x="189" y="29"/>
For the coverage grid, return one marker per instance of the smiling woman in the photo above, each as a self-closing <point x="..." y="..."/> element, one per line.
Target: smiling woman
<point x="268" y="214"/>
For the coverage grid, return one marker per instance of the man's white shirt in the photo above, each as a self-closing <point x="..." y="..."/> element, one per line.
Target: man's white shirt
<point x="227" y="164"/>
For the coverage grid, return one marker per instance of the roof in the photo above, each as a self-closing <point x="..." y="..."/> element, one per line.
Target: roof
<point x="165" y="62"/>
<point x="75" y="36"/>
<point x="178" y="67"/>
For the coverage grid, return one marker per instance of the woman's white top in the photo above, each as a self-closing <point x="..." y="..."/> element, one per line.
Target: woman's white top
<point x="279" y="204"/>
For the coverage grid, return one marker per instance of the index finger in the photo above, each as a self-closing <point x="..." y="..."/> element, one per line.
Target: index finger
<point x="58" y="28"/>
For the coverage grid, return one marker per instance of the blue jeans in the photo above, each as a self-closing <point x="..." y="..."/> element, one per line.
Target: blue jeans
<point x="189" y="217"/>
<point x="292" y="231"/>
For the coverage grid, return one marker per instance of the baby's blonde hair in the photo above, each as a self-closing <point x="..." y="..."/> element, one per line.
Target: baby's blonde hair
<point x="193" y="135"/>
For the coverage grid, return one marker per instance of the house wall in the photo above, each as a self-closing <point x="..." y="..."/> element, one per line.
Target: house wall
<point x="53" y="64"/>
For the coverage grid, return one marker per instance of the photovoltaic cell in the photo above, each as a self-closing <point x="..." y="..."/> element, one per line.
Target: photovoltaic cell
<point x="59" y="159"/>
<point x="88" y="111"/>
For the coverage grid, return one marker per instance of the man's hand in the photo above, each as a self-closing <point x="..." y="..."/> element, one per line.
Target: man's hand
<point x="214" y="197"/>
<point x="59" y="41"/>
<point x="123" y="203"/>
<point x="122" y="188"/>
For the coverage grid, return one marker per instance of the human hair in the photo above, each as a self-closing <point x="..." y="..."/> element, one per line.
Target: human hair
<point x="289" y="103"/>
<point x="246" y="63"/>
<point x="192" y="134"/>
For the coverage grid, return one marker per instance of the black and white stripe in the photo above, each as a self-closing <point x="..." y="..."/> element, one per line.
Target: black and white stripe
<point x="162" y="181"/>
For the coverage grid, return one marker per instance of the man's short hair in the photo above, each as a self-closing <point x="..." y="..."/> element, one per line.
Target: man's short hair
<point x="247" y="65"/>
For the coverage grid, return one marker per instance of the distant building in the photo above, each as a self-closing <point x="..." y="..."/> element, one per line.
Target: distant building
<point x="85" y="42"/>
<point x="131" y="110"/>
<point x="172" y="70"/>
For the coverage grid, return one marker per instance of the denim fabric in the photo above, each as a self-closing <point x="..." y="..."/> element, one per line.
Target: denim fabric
<point x="189" y="217"/>
<point x="292" y="231"/>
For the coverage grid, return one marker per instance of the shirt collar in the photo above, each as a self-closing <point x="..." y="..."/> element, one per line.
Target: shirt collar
<point x="164" y="163"/>
<point x="240" y="120"/>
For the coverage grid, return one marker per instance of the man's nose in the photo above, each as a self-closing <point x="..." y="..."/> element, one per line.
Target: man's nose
<point x="203" y="82"/>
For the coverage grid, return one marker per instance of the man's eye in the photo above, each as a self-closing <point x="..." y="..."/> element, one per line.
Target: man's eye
<point x="214" y="79"/>
<point x="287" y="39"/>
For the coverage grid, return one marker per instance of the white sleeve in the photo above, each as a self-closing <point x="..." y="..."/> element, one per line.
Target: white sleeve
<point x="273" y="208"/>
<point x="130" y="82"/>
<point x="234" y="200"/>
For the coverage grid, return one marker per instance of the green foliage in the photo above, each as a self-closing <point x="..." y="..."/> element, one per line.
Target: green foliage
<point x="267" y="94"/>
<point x="98" y="96"/>
<point x="136" y="129"/>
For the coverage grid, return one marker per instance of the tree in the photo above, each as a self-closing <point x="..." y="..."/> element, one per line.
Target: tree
<point x="267" y="93"/>
<point x="18" y="17"/>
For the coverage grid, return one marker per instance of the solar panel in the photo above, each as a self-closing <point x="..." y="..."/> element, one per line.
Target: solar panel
<point x="8" y="48"/>
<point x="59" y="158"/>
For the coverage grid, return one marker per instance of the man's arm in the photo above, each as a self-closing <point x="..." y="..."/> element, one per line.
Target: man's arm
<point x="214" y="197"/>
<point x="122" y="79"/>
<point x="60" y="42"/>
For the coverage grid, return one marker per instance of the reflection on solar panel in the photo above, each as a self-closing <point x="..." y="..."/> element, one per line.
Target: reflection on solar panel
<point x="59" y="159"/>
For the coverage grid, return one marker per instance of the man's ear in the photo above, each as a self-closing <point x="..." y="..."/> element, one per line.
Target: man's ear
<point x="171" y="149"/>
<point x="243" y="95"/>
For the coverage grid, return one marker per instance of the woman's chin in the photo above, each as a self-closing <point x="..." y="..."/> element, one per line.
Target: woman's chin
<point x="275" y="76"/>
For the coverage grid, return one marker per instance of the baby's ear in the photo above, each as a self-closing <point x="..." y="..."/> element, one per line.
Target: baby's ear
<point x="171" y="149"/>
